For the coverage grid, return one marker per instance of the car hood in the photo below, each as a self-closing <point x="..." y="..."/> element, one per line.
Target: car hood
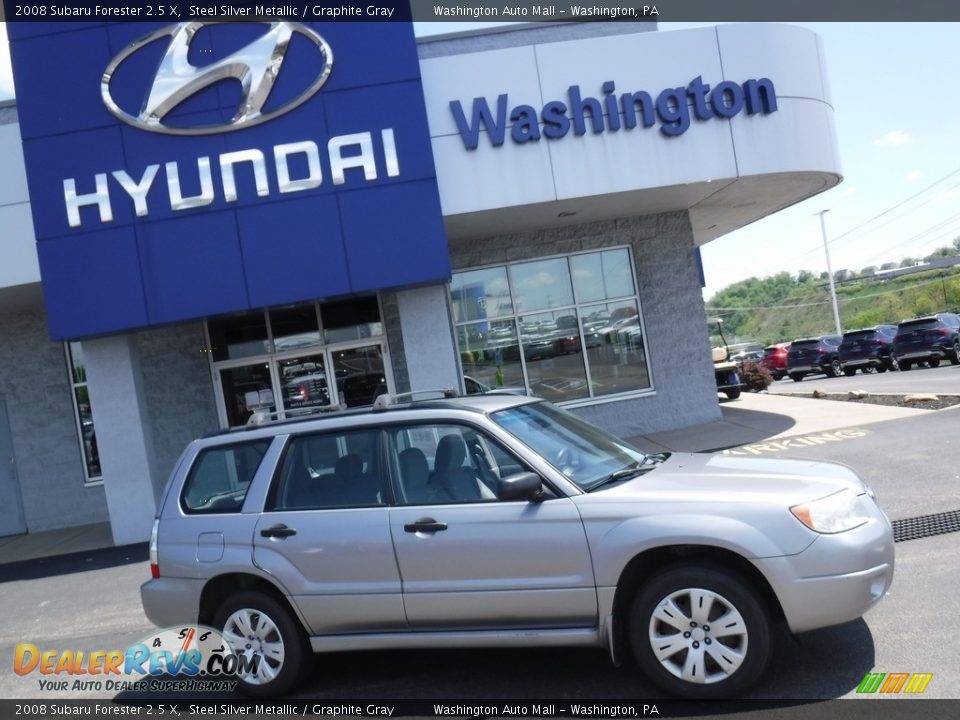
<point x="725" y="478"/>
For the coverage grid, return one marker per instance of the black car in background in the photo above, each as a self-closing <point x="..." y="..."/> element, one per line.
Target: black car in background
<point x="868" y="349"/>
<point x="928" y="339"/>
<point x="810" y="356"/>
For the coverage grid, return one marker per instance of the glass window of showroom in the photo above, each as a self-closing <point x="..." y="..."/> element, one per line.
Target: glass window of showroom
<point x="299" y="359"/>
<point x="566" y="328"/>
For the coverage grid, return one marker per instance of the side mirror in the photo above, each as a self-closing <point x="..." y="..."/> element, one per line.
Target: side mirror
<point x="522" y="486"/>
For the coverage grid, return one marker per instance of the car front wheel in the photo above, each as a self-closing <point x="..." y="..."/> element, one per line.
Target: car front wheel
<point x="933" y="362"/>
<point x="700" y="632"/>
<point x="796" y="377"/>
<point x="269" y="641"/>
<point x="849" y="372"/>
<point x="833" y="370"/>
<point x="955" y="354"/>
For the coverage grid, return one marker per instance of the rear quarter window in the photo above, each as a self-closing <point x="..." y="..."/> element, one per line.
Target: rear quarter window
<point x="220" y="476"/>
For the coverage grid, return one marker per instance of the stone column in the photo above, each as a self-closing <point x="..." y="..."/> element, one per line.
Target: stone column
<point x="428" y="338"/>
<point x="124" y="436"/>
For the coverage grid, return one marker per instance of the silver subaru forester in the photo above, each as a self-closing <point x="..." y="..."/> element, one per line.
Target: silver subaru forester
<point x="499" y="521"/>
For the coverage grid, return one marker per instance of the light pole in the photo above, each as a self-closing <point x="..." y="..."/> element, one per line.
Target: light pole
<point x="833" y="288"/>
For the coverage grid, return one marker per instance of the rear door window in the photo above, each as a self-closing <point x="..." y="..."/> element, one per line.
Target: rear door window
<point x="220" y="477"/>
<point x="331" y="470"/>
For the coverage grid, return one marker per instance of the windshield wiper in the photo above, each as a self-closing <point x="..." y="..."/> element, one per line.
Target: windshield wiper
<point x="629" y="471"/>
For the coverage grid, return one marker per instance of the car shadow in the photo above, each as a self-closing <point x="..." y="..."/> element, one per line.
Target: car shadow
<point x="76" y="562"/>
<point x="819" y="666"/>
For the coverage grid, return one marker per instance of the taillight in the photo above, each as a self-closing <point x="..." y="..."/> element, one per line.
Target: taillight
<point x="942" y="333"/>
<point x="154" y="564"/>
<point x="821" y="351"/>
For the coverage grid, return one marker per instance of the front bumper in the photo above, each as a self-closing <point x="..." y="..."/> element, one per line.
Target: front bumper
<point x="837" y="578"/>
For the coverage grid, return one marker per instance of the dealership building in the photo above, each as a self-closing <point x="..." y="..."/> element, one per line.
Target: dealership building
<point x="206" y="221"/>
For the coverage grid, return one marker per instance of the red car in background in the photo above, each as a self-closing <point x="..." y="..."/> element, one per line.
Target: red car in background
<point x="775" y="359"/>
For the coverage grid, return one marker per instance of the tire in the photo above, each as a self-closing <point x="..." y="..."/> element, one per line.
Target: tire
<point x="703" y="655"/>
<point x="905" y="365"/>
<point x="796" y="377"/>
<point x="933" y="362"/>
<point x="273" y="624"/>
<point x="955" y="356"/>
<point x="849" y="372"/>
<point x="881" y="368"/>
<point x="834" y="369"/>
<point x="732" y="394"/>
<point x="893" y="364"/>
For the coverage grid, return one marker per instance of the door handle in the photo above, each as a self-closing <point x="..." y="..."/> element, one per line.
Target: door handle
<point x="428" y="525"/>
<point x="278" y="531"/>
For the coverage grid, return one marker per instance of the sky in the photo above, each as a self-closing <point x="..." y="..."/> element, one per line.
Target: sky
<point x="897" y="116"/>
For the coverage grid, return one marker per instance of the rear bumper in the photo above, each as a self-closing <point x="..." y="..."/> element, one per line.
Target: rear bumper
<point x="806" y="369"/>
<point x="835" y="580"/>
<point x="874" y="361"/>
<point x="171" y="601"/>
<point x="927" y="354"/>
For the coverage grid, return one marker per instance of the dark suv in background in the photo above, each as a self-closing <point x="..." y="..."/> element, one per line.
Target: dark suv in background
<point x="810" y="356"/>
<point x="928" y="339"/>
<point x="868" y="349"/>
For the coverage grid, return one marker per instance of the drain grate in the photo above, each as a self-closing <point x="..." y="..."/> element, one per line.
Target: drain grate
<point x="926" y="526"/>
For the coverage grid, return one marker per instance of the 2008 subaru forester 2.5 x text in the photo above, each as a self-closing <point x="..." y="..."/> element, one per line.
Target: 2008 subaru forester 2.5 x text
<point x="499" y="520"/>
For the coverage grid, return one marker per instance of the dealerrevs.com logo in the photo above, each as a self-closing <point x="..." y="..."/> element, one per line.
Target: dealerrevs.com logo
<point x="189" y="658"/>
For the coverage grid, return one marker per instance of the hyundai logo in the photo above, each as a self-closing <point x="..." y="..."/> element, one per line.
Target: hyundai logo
<point x="256" y="66"/>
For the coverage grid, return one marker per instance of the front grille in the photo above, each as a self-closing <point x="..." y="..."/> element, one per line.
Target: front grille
<point x="926" y="526"/>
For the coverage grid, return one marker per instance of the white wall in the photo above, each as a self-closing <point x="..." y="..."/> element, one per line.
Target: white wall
<point x="18" y="250"/>
<point x="627" y="166"/>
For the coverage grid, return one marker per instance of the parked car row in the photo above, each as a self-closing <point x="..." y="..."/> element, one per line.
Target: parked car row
<point x="925" y="340"/>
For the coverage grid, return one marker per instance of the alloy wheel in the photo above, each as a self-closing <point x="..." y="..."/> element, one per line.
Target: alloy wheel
<point x="252" y="633"/>
<point x="698" y="636"/>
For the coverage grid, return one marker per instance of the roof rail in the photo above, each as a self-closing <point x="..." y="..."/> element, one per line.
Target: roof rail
<point x="386" y="400"/>
<point x="262" y="417"/>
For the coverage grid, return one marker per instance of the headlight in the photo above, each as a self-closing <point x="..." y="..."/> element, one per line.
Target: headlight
<point x="833" y="514"/>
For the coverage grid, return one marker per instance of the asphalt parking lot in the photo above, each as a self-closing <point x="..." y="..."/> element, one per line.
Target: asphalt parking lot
<point x="944" y="380"/>
<point x="913" y="463"/>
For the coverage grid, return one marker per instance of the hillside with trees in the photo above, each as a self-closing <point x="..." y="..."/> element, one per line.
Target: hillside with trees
<point x="783" y="307"/>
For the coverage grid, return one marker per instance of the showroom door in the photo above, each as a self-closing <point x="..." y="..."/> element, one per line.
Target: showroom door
<point x="11" y="507"/>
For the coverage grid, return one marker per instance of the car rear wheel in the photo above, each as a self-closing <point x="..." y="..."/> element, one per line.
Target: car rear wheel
<point x="834" y="368"/>
<point x="849" y="372"/>
<point x="261" y="630"/>
<point x="700" y="632"/>
<point x="933" y="362"/>
<point x="881" y="368"/>
<point x="796" y="377"/>
<point x="732" y="394"/>
<point x="905" y="365"/>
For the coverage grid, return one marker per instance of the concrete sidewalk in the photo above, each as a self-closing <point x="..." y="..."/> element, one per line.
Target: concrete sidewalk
<point x="750" y="419"/>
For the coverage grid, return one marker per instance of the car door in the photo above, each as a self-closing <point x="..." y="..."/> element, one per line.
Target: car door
<point x="470" y="561"/>
<point x="325" y="533"/>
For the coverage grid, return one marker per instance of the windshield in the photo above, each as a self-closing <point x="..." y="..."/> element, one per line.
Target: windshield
<point x="585" y="454"/>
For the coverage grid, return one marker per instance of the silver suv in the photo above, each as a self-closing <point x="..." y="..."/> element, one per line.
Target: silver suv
<point x="499" y="520"/>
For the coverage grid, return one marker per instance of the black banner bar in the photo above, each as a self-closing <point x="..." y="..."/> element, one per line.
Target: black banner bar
<point x="889" y="708"/>
<point x="472" y="11"/>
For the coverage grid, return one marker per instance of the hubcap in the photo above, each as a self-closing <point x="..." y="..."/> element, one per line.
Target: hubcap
<point x="252" y="634"/>
<point x="698" y="635"/>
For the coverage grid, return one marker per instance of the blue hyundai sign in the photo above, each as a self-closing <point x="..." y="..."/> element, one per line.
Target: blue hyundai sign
<point x="186" y="170"/>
